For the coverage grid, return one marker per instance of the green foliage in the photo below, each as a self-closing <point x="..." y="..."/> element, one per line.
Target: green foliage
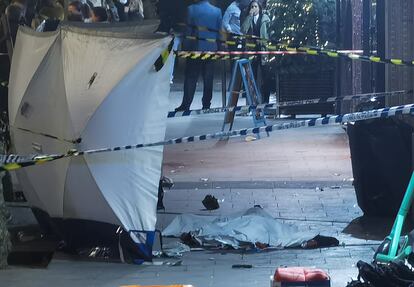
<point x="303" y="23"/>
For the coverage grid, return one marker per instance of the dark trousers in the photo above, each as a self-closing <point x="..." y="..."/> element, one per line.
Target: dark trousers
<point x="265" y="84"/>
<point x="192" y="72"/>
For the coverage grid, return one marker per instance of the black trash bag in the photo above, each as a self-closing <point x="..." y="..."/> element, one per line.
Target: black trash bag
<point x="381" y="275"/>
<point x="370" y="274"/>
<point x="402" y="270"/>
<point x="410" y="257"/>
<point x="381" y="164"/>
<point x="210" y="202"/>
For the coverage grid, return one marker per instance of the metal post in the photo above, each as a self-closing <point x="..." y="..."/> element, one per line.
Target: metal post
<point x="223" y="85"/>
<point x="380" y="77"/>
<point x="366" y="66"/>
<point x="338" y="66"/>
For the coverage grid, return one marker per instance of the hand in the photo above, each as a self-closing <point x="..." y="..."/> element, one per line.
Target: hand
<point x="254" y="9"/>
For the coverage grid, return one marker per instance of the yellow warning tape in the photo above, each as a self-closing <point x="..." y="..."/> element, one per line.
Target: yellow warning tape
<point x="229" y="55"/>
<point x="162" y="59"/>
<point x="260" y="43"/>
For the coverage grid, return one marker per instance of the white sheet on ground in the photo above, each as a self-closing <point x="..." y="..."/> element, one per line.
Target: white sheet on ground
<point x="251" y="226"/>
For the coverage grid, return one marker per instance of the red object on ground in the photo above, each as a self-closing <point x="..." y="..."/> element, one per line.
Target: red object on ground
<point x="300" y="274"/>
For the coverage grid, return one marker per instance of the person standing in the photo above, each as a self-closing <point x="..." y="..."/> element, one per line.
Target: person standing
<point x="231" y="18"/>
<point x="135" y="10"/>
<point x="172" y="15"/>
<point x="256" y="24"/>
<point x="202" y="14"/>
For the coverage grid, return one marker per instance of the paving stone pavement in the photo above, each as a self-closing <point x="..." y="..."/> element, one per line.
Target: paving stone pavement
<point x="302" y="177"/>
<point x="325" y="210"/>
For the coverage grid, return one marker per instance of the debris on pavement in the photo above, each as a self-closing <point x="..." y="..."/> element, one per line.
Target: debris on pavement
<point x="175" y="249"/>
<point x="210" y="202"/>
<point x="242" y="266"/>
<point x="250" y="139"/>
<point x="100" y="252"/>
<point x="174" y="263"/>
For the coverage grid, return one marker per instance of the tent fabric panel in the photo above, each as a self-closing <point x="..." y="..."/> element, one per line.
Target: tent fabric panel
<point x="93" y="66"/>
<point x="136" y="109"/>
<point x="129" y="179"/>
<point x="29" y="51"/>
<point x="82" y="197"/>
<point x="133" y="111"/>
<point x="43" y="184"/>
<point x="44" y="107"/>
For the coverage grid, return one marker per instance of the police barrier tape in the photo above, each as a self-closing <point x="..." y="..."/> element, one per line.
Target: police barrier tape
<point x="248" y="108"/>
<point x="162" y="59"/>
<point x="13" y="162"/>
<point x="314" y="51"/>
<point x="267" y="42"/>
<point x="221" y="55"/>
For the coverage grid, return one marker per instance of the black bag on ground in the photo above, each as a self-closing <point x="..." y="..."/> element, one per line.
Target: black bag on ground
<point x="402" y="270"/>
<point x="210" y="202"/>
<point x="381" y="275"/>
<point x="370" y="274"/>
<point x="381" y="164"/>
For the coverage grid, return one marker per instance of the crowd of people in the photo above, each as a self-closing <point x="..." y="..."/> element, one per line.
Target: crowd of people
<point x="242" y="17"/>
<point x="45" y="15"/>
<point x="35" y="13"/>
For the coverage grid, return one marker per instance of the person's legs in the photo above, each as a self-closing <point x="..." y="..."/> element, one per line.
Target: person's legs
<point x="192" y="70"/>
<point x="265" y="85"/>
<point x="208" y="78"/>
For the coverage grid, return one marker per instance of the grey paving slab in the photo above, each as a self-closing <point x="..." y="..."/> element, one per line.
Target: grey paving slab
<point x="293" y="155"/>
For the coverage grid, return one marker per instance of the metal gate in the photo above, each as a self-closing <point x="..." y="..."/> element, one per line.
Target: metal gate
<point x="399" y="35"/>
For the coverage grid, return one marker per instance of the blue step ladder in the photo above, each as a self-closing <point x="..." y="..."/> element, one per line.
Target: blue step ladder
<point x="243" y="76"/>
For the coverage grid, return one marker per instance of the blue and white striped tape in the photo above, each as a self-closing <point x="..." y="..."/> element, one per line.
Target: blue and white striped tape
<point x="11" y="162"/>
<point x="248" y="108"/>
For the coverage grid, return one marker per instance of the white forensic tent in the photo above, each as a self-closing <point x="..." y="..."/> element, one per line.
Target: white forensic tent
<point x="97" y="84"/>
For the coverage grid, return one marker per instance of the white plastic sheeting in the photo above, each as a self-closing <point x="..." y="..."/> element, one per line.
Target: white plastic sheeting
<point x="252" y="226"/>
<point x="96" y="83"/>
